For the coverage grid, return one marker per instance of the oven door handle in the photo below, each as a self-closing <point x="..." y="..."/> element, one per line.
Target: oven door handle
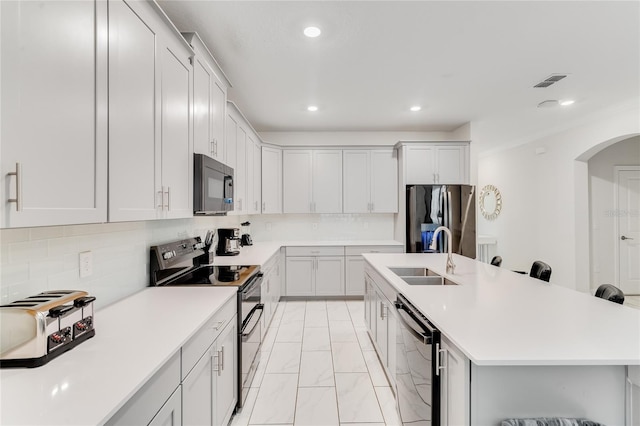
<point x="245" y="336"/>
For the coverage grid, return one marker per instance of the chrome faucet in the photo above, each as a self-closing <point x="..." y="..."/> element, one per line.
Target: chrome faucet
<point x="450" y="265"/>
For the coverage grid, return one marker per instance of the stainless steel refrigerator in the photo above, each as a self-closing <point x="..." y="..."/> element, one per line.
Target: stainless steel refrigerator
<point x="430" y="206"/>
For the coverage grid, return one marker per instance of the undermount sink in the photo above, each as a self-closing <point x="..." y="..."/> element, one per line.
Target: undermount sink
<point x="420" y="276"/>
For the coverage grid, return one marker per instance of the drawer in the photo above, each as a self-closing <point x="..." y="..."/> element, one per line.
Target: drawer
<point x="200" y="342"/>
<point x="358" y="250"/>
<point x="316" y="251"/>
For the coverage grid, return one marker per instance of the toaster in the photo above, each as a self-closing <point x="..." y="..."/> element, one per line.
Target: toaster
<point x="35" y="330"/>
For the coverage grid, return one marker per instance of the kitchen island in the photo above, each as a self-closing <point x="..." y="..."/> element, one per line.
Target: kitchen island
<point x="531" y="348"/>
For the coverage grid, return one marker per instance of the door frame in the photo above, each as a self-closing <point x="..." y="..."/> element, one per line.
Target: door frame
<point x="616" y="210"/>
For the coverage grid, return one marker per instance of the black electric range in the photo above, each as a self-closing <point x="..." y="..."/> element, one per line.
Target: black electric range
<point x="185" y="263"/>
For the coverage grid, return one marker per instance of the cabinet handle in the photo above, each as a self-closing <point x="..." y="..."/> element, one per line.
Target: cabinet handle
<point x="217" y="326"/>
<point x="215" y="363"/>
<point x="382" y="309"/>
<point x="439" y="359"/>
<point x="215" y="147"/>
<point x="264" y="206"/>
<point x="168" y="198"/>
<point x="373" y="207"/>
<point x="211" y="148"/>
<point x="18" y="199"/>
<point x="161" y="194"/>
<point x="221" y="358"/>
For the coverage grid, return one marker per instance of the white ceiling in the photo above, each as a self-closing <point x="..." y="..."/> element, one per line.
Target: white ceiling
<point x="463" y="61"/>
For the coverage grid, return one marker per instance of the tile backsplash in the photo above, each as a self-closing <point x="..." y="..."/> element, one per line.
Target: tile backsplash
<point x="39" y="259"/>
<point x="33" y="260"/>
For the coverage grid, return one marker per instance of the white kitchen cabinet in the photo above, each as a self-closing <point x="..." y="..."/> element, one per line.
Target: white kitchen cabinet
<point x="270" y="295"/>
<point x="209" y="101"/>
<point x="53" y="156"/>
<point x="354" y="263"/>
<point x="171" y="412"/>
<point x="254" y="175"/>
<point x="315" y="271"/>
<point x="150" y="147"/>
<point x="271" y="180"/>
<point x="241" y="182"/>
<point x="436" y="163"/>
<point x="382" y="307"/>
<point x="209" y="387"/>
<point x="370" y="181"/>
<point x="312" y="181"/>
<point x="454" y="385"/>
<point x="240" y="156"/>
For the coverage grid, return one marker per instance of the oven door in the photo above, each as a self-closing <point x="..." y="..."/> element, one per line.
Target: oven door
<point x="212" y="186"/>
<point x="249" y="335"/>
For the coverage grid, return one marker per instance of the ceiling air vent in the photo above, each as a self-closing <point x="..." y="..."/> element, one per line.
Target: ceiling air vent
<point x="553" y="78"/>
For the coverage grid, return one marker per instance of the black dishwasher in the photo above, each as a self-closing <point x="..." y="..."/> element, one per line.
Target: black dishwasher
<point x="417" y="372"/>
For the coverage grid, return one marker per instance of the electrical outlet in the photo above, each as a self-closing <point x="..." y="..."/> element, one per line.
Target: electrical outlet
<point x="86" y="264"/>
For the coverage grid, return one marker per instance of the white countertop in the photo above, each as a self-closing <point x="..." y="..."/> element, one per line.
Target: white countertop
<point x="498" y="317"/>
<point x="134" y="338"/>
<point x="260" y="252"/>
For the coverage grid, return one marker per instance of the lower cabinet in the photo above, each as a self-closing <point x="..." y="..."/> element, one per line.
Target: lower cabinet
<point x="208" y="392"/>
<point x="315" y="271"/>
<point x="171" y="412"/>
<point x="381" y="322"/>
<point x="270" y="291"/>
<point x="197" y="386"/>
<point x="354" y="285"/>
<point x="454" y="385"/>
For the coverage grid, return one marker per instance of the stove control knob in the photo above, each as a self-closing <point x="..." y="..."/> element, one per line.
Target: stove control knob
<point x="167" y="255"/>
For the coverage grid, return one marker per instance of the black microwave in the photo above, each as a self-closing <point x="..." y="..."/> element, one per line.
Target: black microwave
<point x="212" y="186"/>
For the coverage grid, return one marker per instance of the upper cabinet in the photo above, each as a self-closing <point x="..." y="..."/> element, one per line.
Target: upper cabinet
<point x="209" y="102"/>
<point x="370" y="181"/>
<point x="436" y="163"/>
<point x="254" y="175"/>
<point x="53" y="167"/>
<point x="271" y="180"/>
<point x="150" y="146"/>
<point x="312" y="181"/>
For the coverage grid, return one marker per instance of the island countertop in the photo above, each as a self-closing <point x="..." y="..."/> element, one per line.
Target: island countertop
<point x="498" y="317"/>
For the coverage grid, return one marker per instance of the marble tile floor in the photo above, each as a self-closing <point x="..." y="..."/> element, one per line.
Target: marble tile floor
<point x="318" y="367"/>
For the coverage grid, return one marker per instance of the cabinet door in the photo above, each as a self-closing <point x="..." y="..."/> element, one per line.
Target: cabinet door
<point x="327" y="181"/>
<point x="240" y="172"/>
<point x="384" y="181"/>
<point x="177" y="154"/>
<point x="256" y="201"/>
<point x="451" y="162"/>
<point x="218" y="114"/>
<point x="54" y="112"/>
<point x="420" y="165"/>
<point x="202" y="113"/>
<point x="354" y="276"/>
<point x="454" y="386"/>
<point x="296" y="181"/>
<point x="230" y="142"/>
<point x="329" y="276"/>
<point x="134" y="162"/>
<point x="225" y="374"/>
<point x="300" y="276"/>
<point x="171" y="412"/>
<point x="356" y="185"/>
<point x="271" y="180"/>
<point x="197" y="391"/>
<point x="382" y="311"/>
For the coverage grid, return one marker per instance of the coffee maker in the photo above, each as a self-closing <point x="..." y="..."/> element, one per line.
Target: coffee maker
<point x="228" y="242"/>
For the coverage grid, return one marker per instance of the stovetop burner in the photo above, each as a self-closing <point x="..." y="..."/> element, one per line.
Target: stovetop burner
<point x="216" y="276"/>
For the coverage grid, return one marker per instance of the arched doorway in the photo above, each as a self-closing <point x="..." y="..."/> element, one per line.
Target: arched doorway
<point x="597" y="241"/>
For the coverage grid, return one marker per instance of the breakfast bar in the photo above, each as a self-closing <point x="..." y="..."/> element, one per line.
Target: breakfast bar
<point x="529" y="347"/>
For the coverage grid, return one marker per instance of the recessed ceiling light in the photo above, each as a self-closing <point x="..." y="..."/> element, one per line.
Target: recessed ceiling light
<point x="567" y="102"/>
<point x="416" y="108"/>
<point x="549" y="103"/>
<point x="312" y="32"/>
<point x="312" y="108"/>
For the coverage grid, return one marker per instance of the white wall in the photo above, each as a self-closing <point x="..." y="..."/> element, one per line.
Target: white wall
<point x="39" y="259"/>
<point x="602" y="220"/>
<point x="545" y="196"/>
